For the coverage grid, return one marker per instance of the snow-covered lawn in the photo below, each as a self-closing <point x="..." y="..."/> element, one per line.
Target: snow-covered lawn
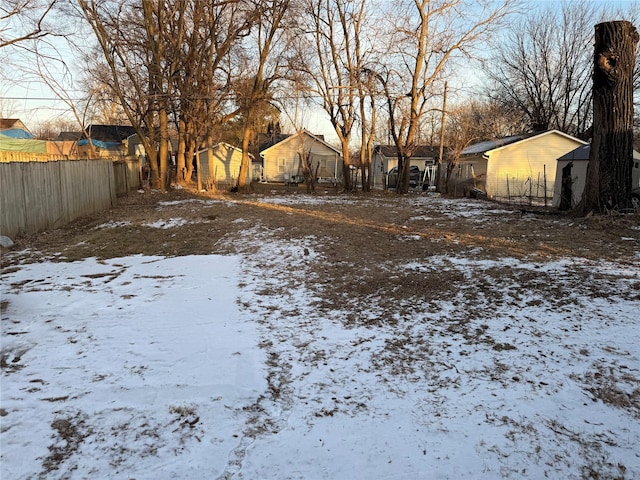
<point x="224" y="367"/>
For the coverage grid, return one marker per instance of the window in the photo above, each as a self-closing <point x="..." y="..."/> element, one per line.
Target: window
<point x="281" y="165"/>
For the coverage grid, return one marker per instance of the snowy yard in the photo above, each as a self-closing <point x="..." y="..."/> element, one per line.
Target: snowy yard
<point x="265" y="361"/>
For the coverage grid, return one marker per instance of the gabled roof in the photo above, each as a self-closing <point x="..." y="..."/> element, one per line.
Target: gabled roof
<point x="266" y="140"/>
<point x="8" y="123"/>
<point x="497" y="144"/>
<point x="422" y="151"/>
<point x="317" y="138"/>
<point x="582" y="154"/>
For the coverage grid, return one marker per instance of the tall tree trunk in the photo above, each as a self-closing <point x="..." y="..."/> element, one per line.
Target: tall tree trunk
<point x="346" y="165"/>
<point x="163" y="150"/>
<point x="246" y="160"/>
<point x="181" y="160"/>
<point x="608" y="183"/>
<point x="211" y="184"/>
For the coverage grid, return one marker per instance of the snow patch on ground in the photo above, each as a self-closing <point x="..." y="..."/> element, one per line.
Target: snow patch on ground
<point x="236" y="366"/>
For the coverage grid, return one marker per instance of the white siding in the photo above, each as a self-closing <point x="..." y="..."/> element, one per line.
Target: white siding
<point x="578" y="179"/>
<point x="223" y="167"/>
<point x="282" y="161"/>
<point x="528" y="167"/>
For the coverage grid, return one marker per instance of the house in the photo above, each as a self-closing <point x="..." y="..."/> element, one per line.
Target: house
<point x="516" y="166"/>
<point x="16" y="137"/>
<point x="107" y="140"/>
<point x="220" y="166"/>
<point x="14" y="124"/>
<point x="571" y="175"/>
<point x="385" y="158"/>
<point x="281" y="162"/>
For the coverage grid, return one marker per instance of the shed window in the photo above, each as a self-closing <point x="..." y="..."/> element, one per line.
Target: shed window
<point x="281" y="165"/>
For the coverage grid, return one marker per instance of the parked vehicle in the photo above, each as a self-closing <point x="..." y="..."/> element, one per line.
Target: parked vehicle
<point x="415" y="177"/>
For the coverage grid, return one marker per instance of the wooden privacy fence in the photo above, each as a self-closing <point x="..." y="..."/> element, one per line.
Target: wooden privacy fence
<point x="44" y="194"/>
<point x="127" y="175"/>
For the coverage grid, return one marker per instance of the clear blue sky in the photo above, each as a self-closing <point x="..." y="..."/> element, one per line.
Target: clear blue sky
<point x="33" y="102"/>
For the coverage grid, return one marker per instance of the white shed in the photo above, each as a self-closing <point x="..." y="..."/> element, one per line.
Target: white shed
<point x="281" y="162"/>
<point x="517" y="166"/>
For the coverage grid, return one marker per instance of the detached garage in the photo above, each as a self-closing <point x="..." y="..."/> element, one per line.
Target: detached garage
<point x="517" y="166"/>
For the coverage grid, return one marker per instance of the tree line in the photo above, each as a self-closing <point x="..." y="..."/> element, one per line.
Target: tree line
<point x="211" y="70"/>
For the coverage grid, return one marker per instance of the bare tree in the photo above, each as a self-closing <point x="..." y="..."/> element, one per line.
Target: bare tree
<point x="265" y="59"/>
<point x="24" y="20"/>
<point x="140" y="45"/>
<point x="426" y="37"/>
<point x="474" y="121"/>
<point x="337" y="40"/>
<point x="51" y="128"/>
<point x="204" y="83"/>
<point x="542" y="68"/>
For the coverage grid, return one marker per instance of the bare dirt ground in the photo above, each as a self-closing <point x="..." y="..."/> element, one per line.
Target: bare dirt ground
<point x="359" y="234"/>
<point x="362" y="226"/>
<point x="368" y="247"/>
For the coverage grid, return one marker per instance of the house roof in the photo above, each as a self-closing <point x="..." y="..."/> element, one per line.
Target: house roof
<point x="266" y="140"/>
<point x="7" y="123"/>
<point x="317" y="138"/>
<point x="490" y="145"/>
<point x="68" y="136"/>
<point x="582" y="153"/>
<point x="487" y="145"/>
<point x="110" y="133"/>
<point x="422" y="151"/>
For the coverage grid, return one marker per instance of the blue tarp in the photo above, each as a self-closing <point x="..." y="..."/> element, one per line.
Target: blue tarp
<point x="99" y="144"/>
<point x="16" y="133"/>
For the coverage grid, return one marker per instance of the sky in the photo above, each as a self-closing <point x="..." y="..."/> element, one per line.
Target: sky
<point x="26" y="97"/>
<point x="215" y="366"/>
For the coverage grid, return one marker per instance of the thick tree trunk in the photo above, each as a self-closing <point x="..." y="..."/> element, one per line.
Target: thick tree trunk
<point x="608" y="183"/>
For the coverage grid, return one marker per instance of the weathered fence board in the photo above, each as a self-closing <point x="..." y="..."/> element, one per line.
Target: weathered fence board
<point x="127" y="174"/>
<point x="40" y="195"/>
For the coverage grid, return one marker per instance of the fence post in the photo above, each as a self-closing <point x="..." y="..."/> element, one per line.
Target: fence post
<point x="545" y="183"/>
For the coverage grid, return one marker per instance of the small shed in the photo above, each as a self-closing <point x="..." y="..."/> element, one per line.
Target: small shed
<point x="220" y="166"/>
<point x="571" y="175"/>
<point x="281" y="162"/>
<point x="517" y="166"/>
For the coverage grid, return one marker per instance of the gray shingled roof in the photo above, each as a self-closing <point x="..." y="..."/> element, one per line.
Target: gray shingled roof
<point x="580" y="153"/>
<point x="487" y="145"/>
<point x="423" y="151"/>
<point x="583" y="151"/>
